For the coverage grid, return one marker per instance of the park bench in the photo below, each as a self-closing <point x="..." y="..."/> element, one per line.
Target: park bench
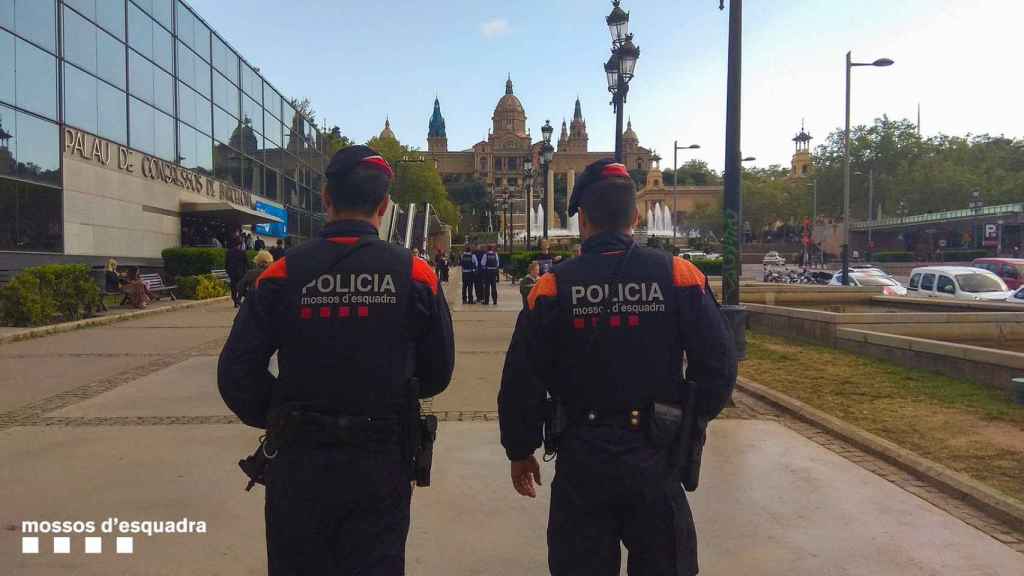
<point x="156" y="285"/>
<point x="222" y="275"/>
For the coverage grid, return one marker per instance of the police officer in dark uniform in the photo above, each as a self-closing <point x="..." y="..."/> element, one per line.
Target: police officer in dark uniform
<point x="470" y="266"/>
<point x="362" y="331"/>
<point x="491" y="267"/>
<point x="604" y="334"/>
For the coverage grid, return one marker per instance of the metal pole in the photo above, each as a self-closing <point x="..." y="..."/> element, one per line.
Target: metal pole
<point x="547" y="166"/>
<point x="846" y="182"/>
<point x="871" y="202"/>
<point x="675" y="182"/>
<point x="731" y="265"/>
<point x="619" y="100"/>
<point x="529" y="208"/>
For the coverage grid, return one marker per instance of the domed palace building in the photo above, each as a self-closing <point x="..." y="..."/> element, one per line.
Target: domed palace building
<point x="498" y="160"/>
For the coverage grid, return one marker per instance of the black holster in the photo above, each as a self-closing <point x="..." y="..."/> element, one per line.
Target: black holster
<point x="690" y="448"/>
<point x="555" y="423"/>
<point x="255" y="465"/>
<point x="424" y="459"/>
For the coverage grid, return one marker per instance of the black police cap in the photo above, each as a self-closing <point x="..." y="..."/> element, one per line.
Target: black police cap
<point x="346" y="159"/>
<point x="601" y="170"/>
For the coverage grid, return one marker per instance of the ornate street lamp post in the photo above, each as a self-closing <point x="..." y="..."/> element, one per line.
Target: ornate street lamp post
<point x="620" y="67"/>
<point x="547" y="151"/>
<point x="528" y="195"/>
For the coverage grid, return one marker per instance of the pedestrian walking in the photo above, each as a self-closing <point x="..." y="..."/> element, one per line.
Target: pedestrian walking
<point x="528" y="281"/>
<point x="237" y="264"/>
<point x="604" y="335"/>
<point x="362" y="330"/>
<point x="261" y="262"/>
<point x="441" y="262"/>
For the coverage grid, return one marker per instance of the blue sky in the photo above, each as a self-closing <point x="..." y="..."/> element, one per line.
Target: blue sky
<point x="360" y="61"/>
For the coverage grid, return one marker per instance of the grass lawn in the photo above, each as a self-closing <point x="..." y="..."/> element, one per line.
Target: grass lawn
<point x="967" y="427"/>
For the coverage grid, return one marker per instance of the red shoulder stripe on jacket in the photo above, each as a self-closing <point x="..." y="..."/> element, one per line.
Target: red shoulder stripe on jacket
<point x="546" y="286"/>
<point x="424" y="274"/>
<point x="277" y="270"/>
<point x="685" y="273"/>
<point x="344" y="240"/>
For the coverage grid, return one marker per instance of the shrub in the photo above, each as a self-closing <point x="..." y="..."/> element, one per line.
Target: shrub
<point x="36" y="295"/>
<point x="893" y="257"/>
<point x="710" y="267"/>
<point x="188" y="261"/>
<point x="964" y="254"/>
<point x="209" y="287"/>
<point x="187" y="286"/>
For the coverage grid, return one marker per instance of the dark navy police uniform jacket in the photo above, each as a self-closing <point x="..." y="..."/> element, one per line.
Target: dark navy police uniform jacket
<point x="351" y="317"/>
<point x="660" y="308"/>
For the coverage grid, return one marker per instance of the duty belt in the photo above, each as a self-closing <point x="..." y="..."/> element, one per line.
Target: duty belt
<point x="630" y="419"/>
<point x="318" y="427"/>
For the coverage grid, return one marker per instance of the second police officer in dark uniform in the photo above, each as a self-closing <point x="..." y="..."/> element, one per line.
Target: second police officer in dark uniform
<point x="356" y="323"/>
<point x="491" y="268"/>
<point x="469" y="271"/>
<point x="604" y="334"/>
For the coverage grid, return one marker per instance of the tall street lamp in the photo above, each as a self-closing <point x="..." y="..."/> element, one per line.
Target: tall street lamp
<point x="620" y="67"/>
<point x="675" y="175"/>
<point x="547" y="151"/>
<point x="528" y="195"/>
<point x="850" y="64"/>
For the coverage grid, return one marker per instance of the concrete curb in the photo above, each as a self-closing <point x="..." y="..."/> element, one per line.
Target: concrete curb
<point x="992" y="501"/>
<point x="30" y="333"/>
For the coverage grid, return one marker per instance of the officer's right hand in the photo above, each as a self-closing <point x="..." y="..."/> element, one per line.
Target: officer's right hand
<point x="524" y="474"/>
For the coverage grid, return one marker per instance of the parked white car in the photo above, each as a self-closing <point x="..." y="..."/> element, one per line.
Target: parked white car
<point x="890" y="286"/>
<point x="957" y="282"/>
<point x="693" y="255"/>
<point x="773" y="258"/>
<point x="1017" y="297"/>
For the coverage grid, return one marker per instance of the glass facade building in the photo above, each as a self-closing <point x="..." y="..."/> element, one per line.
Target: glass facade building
<point x="148" y="76"/>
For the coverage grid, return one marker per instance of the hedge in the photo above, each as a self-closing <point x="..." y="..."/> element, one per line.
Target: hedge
<point x="39" y="295"/>
<point x="963" y="254"/>
<point x="893" y="257"/>
<point x="189" y="261"/>
<point x="710" y="267"/>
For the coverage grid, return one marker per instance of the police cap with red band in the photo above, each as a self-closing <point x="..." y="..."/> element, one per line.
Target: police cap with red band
<point x="594" y="173"/>
<point x="346" y="160"/>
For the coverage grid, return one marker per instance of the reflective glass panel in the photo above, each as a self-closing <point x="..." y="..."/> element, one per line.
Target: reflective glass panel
<point x="111" y="110"/>
<point x="34" y="147"/>
<point x="6" y="66"/>
<point x="195" y="150"/>
<point x="251" y="83"/>
<point x="35" y="80"/>
<point x="163" y="130"/>
<point x="271" y="100"/>
<point x="110" y="59"/>
<point x="141" y="116"/>
<point x="110" y="15"/>
<point x="79" y="41"/>
<point x="225" y="94"/>
<point x="252" y="112"/>
<point x="225" y="60"/>
<point x="163" y="90"/>
<point x="36" y="20"/>
<point x="33" y="218"/>
<point x="270" y="184"/>
<point x="272" y="130"/>
<point x="7" y="14"/>
<point x="140" y="76"/>
<point x="224" y="125"/>
<point x="80" y="100"/>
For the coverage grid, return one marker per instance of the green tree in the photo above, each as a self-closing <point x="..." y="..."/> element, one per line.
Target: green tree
<point x="693" y="173"/>
<point x="415" y="181"/>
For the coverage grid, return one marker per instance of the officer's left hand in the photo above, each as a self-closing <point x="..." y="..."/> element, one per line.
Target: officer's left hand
<point x="524" y="474"/>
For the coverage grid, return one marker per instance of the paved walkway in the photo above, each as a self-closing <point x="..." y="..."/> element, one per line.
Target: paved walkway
<point x="124" y="421"/>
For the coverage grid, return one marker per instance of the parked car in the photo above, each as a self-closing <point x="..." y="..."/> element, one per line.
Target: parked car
<point x="890" y="286"/>
<point x="1017" y="297"/>
<point x="773" y="258"/>
<point x="1011" y="270"/>
<point x="958" y="282"/>
<point x="693" y="255"/>
<point x="868" y="269"/>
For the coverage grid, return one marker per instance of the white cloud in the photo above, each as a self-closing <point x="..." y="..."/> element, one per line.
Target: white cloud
<point x="494" y="27"/>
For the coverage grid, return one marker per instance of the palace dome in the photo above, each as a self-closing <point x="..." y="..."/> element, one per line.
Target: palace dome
<point x="509" y="102"/>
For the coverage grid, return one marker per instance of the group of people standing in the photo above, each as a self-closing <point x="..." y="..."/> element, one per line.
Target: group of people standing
<point x="480" y="268"/>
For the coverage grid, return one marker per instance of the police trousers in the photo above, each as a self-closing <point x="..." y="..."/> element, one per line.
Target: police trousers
<point x="611" y="486"/>
<point x="468" y="287"/>
<point x="337" y="510"/>
<point x="490" y="286"/>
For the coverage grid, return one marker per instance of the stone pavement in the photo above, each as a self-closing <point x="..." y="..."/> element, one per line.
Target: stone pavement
<point x="125" y="421"/>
